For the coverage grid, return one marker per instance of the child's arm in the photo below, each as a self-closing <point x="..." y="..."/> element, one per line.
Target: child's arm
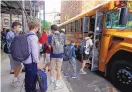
<point x="73" y="52"/>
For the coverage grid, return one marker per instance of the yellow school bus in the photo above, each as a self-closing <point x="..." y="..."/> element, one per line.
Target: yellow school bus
<point x="111" y="23"/>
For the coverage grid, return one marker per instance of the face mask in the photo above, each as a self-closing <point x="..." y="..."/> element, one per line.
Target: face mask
<point x="19" y="29"/>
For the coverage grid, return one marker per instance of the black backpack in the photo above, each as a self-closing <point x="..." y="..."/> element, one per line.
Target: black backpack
<point x="6" y="48"/>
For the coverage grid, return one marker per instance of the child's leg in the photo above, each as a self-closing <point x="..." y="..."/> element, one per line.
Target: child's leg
<point x="73" y="63"/>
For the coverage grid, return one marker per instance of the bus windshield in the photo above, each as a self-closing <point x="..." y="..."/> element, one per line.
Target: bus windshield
<point x="112" y="21"/>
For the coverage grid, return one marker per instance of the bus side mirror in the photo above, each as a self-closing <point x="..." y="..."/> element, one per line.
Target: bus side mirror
<point x="123" y="16"/>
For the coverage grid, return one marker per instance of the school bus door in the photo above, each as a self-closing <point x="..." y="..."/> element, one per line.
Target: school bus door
<point x="97" y="40"/>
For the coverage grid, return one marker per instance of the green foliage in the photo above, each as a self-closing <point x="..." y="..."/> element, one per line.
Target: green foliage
<point x="45" y="24"/>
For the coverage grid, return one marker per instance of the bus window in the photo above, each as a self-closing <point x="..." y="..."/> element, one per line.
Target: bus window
<point x="78" y="25"/>
<point x="112" y="21"/>
<point x="69" y="27"/>
<point x="73" y="26"/>
<point x="92" y="23"/>
<point x="129" y="24"/>
<point x="85" y="24"/>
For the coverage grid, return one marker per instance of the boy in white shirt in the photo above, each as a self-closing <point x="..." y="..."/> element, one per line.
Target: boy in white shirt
<point x="86" y="52"/>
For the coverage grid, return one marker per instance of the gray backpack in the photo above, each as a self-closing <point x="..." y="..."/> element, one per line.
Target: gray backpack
<point x="20" y="48"/>
<point x="57" y="44"/>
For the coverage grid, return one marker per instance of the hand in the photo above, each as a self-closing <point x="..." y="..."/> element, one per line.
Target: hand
<point x="38" y="66"/>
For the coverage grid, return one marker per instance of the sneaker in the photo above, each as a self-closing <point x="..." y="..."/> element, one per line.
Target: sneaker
<point x="82" y="72"/>
<point x="19" y="79"/>
<point x="15" y="83"/>
<point x="52" y="81"/>
<point x="74" y="76"/>
<point x="67" y="75"/>
<point x="58" y="84"/>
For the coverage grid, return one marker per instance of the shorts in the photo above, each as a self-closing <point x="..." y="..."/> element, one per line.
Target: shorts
<point x="47" y="58"/>
<point x="56" y="63"/>
<point x="85" y="56"/>
<point x="13" y="62"/>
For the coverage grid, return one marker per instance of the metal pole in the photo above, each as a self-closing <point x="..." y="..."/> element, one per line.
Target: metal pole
<point x="30" y="9"/>
<point x="10" y="20"/>
<point x="1" y="21"/>
<point x="34" y="11"/>
<point x="23" y="15"/>
<point x="44" y="12"/>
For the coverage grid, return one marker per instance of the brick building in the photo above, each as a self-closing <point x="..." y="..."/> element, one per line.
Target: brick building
<point x="72" y="8"/>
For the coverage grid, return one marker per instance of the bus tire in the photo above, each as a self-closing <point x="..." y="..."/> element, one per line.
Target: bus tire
<point x="121" y="75"/>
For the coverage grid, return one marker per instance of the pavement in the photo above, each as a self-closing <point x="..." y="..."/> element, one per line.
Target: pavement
<point x="91" y="82"/>
<point x="6" y="78"/>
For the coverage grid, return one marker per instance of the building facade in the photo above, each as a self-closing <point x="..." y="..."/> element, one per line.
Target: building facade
<point x="6" y="21"/>
<point x="72" y="8"/>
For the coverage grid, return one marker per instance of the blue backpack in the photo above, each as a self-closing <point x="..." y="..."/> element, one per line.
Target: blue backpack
<point x="67" y="53"/>
<point x="42" y="80"/>
<point x="20" y="48"/>
<point x="82" y="47"/>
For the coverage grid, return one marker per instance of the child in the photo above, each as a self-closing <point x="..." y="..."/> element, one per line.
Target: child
<point x="72" y="61"/>
<point x="47" y="50"/>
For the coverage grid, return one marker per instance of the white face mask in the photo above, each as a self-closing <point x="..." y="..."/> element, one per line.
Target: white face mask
<point x="19" y="29"/>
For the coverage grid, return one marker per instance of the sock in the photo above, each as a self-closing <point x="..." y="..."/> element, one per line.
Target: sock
<point x="81" y="69"/>
<point x="57" y="82"/>
<point x="52" y="78"/>
<point x="15" y="79"/>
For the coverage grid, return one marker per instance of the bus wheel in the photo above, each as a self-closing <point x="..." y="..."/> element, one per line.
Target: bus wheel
<point x="121" y="74"/>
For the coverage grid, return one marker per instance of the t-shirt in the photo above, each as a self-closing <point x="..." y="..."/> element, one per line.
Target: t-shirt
<point x="47" y="48"/>
<point x="43" y="38"/>
<point x="9" y="38"/>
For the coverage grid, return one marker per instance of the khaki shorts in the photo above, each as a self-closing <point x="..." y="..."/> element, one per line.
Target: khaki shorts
<point x="13" y="62"/>
<point x="56" y="63"/>
<point x="47" y="58"/>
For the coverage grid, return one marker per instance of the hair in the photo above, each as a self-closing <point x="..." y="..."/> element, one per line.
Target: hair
<point x="54" y="27"/>
<point x="90" y="34"/>
<point x="7" y="30"/>
<point x="43" y="29"/>
<point x="73" y="41"/>
<point x="15" y="24"/>
<point x="33" y="24"/>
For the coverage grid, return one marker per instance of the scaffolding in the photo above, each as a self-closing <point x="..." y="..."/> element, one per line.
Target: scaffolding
<point x="28" y="9"/>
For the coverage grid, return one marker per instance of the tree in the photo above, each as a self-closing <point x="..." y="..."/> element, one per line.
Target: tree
<point x="45" y="24"/>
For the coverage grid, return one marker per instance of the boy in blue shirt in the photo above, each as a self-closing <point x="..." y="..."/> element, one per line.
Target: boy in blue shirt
<point x="72" y="61"/>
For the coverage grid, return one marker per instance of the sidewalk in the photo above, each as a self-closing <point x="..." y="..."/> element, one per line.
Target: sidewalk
<point x="6" y="80"/>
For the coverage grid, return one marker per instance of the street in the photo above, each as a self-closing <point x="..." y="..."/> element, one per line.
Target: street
<point x="91" y="82"/>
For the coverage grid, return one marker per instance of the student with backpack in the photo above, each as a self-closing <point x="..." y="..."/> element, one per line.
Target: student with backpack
<point x="70" y="55"/>
<point x="15" y="65"/>
<point x="25" y="49"/>
<point x="86" y="45"/>
<point x="31" y="63"/>
<point x="57" y="44"/>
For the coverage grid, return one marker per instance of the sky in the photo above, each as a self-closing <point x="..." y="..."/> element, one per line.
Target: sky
<point x="51" y="6"/>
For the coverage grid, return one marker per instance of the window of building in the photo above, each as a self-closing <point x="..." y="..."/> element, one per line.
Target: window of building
<point x="112" y="21"/>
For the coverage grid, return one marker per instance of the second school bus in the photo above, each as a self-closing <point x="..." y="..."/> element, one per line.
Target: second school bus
<point x="111" y="24"/>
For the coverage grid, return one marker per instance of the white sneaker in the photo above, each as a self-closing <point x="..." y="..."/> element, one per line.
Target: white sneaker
<point x="82" y="72"/>
<point x="52" y="81"/>
<point x="15" y="83"/>
<point x="58" y="84"/>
